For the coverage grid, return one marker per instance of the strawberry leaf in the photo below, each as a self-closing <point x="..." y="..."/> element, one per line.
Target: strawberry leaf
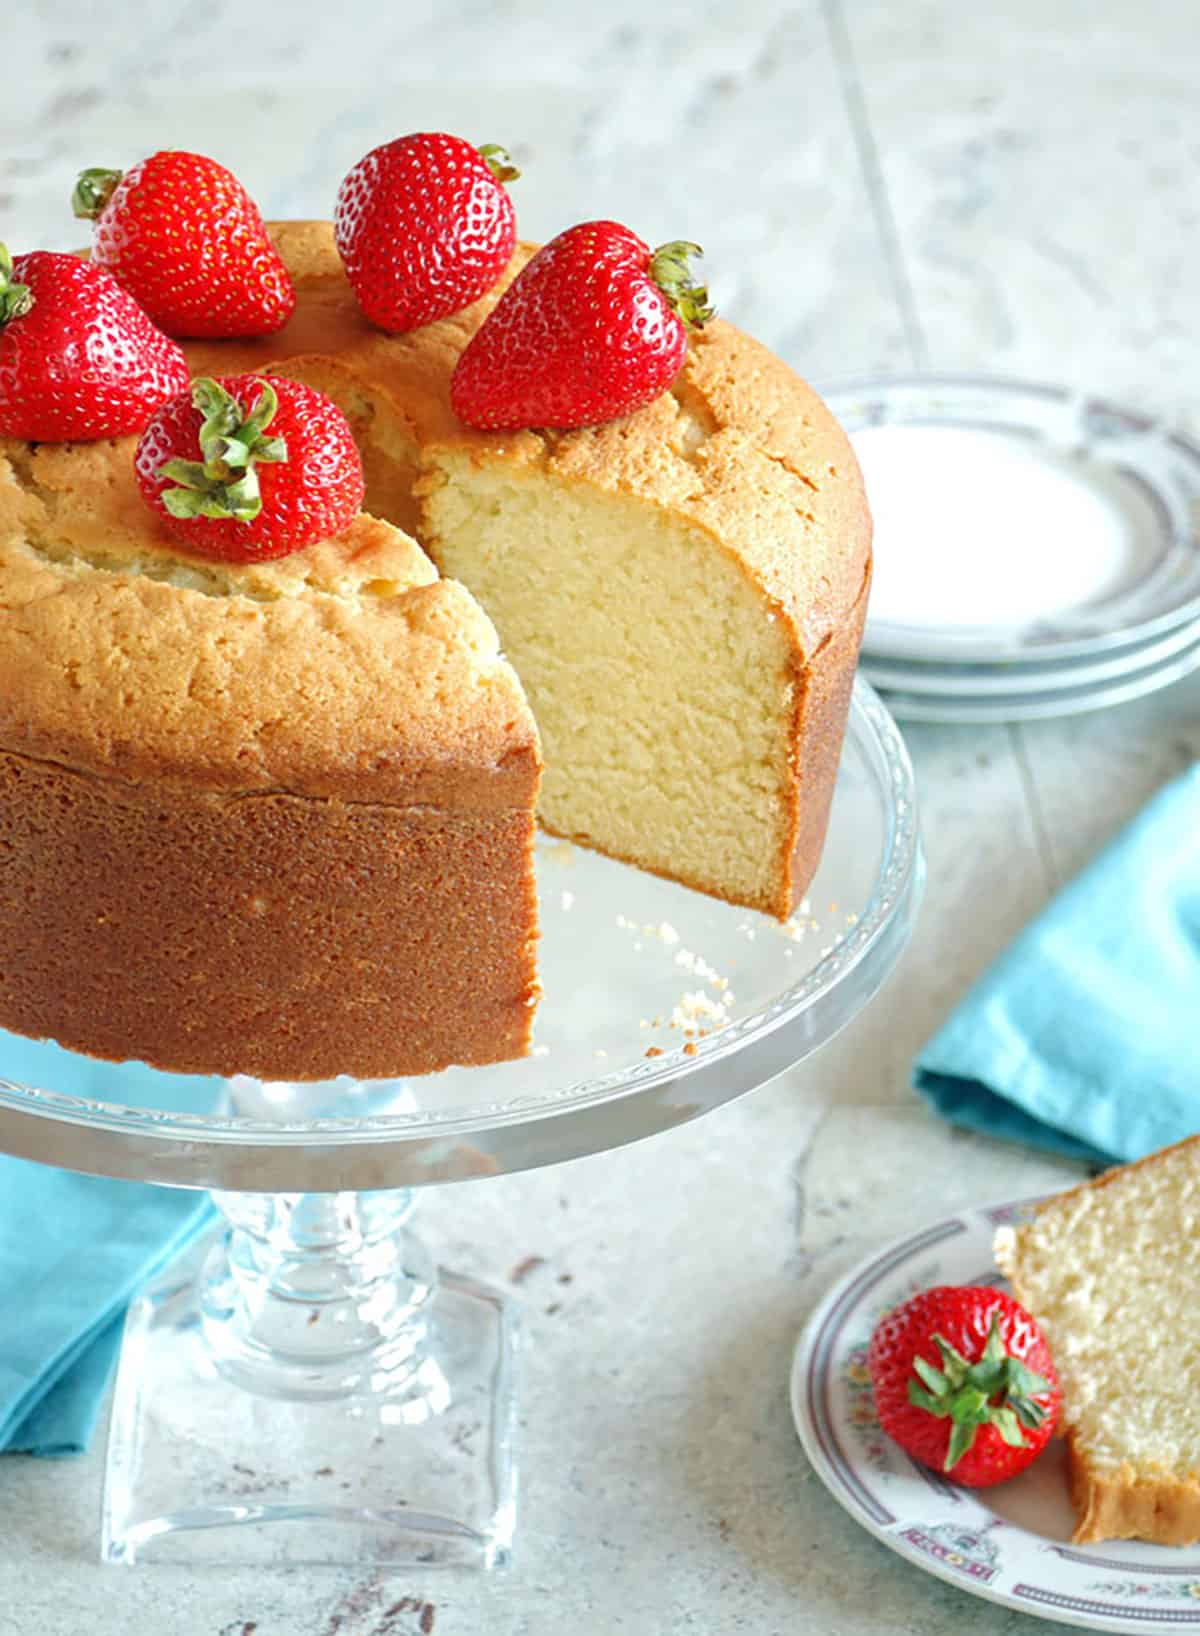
<point x="190" y="473"/>
<point x="997" y="1390"/>
<point x="93" y="189"/>
<point x="921" y="1399"/>
<point x="957" y="1367"/>
<point x="932" y="1377"/>
<point x="961" y="1439"/>
<point x="498" y="162"/>
<point x="15" y="299"/>
<point x="1005" y="1422"/>
<point x="1028" y="1412"/>
<point x="671" y="271"/>
<point x="233" y="444"/>
<point x="1022" y="1380"/>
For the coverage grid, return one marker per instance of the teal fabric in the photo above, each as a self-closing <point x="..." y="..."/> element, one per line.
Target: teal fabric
<point x="1084" y="1037"/>
<point x="74" y="1250"/>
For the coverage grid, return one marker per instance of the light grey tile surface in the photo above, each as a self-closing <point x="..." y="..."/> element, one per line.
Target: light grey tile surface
<point x="877" y="185"/>
<point x="1041" y="167"/>
<point x="664" y="1488"/>
<point x="730" y="129"/>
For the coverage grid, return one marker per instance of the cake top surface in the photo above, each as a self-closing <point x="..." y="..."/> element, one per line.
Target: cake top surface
<point x="123" y="653"/>
<point x="740" y="447"/>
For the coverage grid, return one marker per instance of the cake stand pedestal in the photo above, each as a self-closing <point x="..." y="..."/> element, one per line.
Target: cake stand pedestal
<point x="305" y="1384"/>
<point x="310" y="1366"/>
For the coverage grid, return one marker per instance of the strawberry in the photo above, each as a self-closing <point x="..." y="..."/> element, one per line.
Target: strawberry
<point x="184" y="237"/>
<point x="592" y="328"/>
<point x="964" y="1382"/>
<point x="424" y="227"/>
<point x="79" y="359"/>
<point x="207" y="465"/>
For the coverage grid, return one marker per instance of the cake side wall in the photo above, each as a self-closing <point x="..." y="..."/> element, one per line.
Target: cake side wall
<point x="823" y="693"/>
<point x="270" y="935"/>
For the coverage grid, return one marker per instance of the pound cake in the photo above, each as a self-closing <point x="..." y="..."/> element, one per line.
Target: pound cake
<point x="276" y="817"/>
<point x="1111" y="1272"/>
<point x="682" y="591"/>
<point x="272" y="818"/>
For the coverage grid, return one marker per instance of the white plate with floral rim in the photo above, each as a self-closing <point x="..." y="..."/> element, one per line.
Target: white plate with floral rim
<point x="1018" y="522"/>
<point x="1010" y="1544"/>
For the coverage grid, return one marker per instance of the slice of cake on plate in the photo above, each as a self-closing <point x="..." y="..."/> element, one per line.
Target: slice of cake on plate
<point x="1111" y="1271"/>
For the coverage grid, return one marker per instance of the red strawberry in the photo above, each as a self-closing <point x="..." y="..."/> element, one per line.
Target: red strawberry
<point x="207" y="466"/>
<point x="425" y="227"/>
<point x="592" y="328"/>
<point x="79" y="359"/>
<point x="181" y="233"/>
<point x="965" y="1383"/>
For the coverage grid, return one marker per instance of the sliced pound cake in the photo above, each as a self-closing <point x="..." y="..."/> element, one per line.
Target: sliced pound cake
<point x="277" y="818"/>
<point x="681" y="591"/>
<point x="1111" y="1271"/>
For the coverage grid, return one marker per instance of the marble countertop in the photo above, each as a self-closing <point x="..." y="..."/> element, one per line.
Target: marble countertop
<point x="878" y="187"/>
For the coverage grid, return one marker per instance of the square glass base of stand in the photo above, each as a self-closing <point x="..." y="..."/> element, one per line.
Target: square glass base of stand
<point x="414" y="1467"/>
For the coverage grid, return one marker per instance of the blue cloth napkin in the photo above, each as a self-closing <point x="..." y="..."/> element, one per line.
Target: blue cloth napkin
<point x="1084" y="1037"/>
<point x="74" y="1250"/>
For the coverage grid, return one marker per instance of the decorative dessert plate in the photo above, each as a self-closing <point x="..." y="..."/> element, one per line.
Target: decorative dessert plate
<point x="1010" y="1544"/>
<point x="1020" y="522"/>
<point x="963" y="681"/>
<point x="1037" y="702"/>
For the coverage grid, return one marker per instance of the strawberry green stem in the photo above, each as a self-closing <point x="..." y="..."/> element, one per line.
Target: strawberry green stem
<point x="670" y="270"/>
<point x="997" y="1391"/>
<point x="93" y="190"/>
<point x="225" y="482"/>
<point x="15" y="299"/>
<point x="499" y="162"/>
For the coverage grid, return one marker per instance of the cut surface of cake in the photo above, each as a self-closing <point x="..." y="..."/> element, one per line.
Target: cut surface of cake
<point x="272" y="819"/>
<point x="1111" y="1272"/>
<point x="682" y="592"/>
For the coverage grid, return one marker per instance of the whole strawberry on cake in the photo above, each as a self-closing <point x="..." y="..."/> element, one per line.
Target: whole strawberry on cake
<point x="304" y="745"/>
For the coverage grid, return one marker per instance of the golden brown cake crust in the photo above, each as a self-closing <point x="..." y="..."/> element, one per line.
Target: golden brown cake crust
<point x="347" y="669"/>
<point x="264" y="934"/>
<point x="823" y="689"/>
<point x="1096" y="1185"/>
<point x="277" y="819"/>
<point x="1125" y="1504"/>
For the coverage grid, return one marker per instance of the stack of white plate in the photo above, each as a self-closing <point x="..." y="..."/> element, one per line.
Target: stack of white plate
<point x="1037" y="551"/>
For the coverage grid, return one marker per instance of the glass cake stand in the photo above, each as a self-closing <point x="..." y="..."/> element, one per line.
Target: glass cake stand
<point x="311" y="1329"/>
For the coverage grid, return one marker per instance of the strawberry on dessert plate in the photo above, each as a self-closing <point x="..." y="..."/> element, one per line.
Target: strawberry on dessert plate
<point x="880" y="1446"/>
